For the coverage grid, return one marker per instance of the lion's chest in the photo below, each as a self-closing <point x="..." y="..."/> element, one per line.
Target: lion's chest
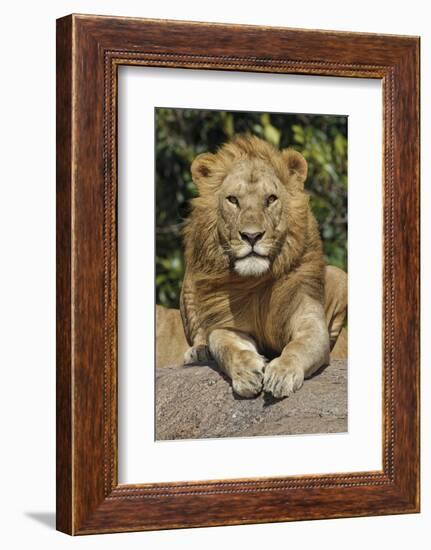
<point x="250" y="310"/>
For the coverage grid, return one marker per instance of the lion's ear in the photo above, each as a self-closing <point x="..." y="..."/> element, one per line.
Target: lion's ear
<point x="201" y="169"/>
<point x="296" y="165"/>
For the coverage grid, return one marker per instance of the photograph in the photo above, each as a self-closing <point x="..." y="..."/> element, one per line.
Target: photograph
<point x="250" y="273"/>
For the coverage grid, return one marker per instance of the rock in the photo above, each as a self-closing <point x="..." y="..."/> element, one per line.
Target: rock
<point x="195" y="402"/>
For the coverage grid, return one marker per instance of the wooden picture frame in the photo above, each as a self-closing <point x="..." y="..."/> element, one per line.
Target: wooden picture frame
<point x="89" y="51"/>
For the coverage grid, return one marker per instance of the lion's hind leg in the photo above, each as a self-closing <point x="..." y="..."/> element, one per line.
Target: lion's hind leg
<point x="335" y="301"/>
<point x="236" y="354"/>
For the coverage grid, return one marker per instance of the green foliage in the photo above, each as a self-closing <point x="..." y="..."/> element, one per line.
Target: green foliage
<point x="181" y="134"/>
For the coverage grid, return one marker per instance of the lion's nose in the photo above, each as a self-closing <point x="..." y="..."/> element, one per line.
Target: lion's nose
<point x="251" y="238"/>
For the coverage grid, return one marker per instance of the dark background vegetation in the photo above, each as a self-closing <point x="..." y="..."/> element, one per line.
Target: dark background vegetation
<point x="181" y="134"/>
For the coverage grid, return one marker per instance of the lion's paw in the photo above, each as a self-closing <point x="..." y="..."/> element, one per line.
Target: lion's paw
<point x="247" y="374"/>
<point x="197" y="354"/>
<point x="282" y="379"/>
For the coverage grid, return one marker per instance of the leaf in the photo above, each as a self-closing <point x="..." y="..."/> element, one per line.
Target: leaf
<point x="270" y="132"/>
<point x="228" y="124"/>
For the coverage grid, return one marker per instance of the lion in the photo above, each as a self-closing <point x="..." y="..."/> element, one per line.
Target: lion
<point x="253" y="295"/>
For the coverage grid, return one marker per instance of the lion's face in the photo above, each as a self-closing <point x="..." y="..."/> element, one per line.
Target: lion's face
<point x="252" y="220"/>
<point x="251" y="206"/>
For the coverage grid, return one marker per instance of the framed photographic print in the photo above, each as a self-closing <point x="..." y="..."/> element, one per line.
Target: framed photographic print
<point x="237" y="274"/>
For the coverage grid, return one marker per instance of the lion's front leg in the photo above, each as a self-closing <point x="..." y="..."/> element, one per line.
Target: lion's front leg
<point x="307" y="350"/>
<point x="198" y="352"/>
<point x="236" y="354"/>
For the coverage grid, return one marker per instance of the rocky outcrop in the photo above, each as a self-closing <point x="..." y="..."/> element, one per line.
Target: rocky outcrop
<point x="197" y="402"/>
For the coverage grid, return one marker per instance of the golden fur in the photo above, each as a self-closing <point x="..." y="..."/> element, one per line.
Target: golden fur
<point x="254" y="282"/>
<point x="171" y="343"/>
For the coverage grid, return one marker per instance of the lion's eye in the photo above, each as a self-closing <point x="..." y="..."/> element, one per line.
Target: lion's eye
<point x="271" y="199"/>
<point x="233" y="200"/>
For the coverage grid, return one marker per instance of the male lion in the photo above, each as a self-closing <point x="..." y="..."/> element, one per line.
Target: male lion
<point x="253" y="291"/>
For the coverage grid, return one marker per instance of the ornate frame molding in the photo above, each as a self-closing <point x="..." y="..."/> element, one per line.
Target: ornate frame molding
<point x="90" y="49"/>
